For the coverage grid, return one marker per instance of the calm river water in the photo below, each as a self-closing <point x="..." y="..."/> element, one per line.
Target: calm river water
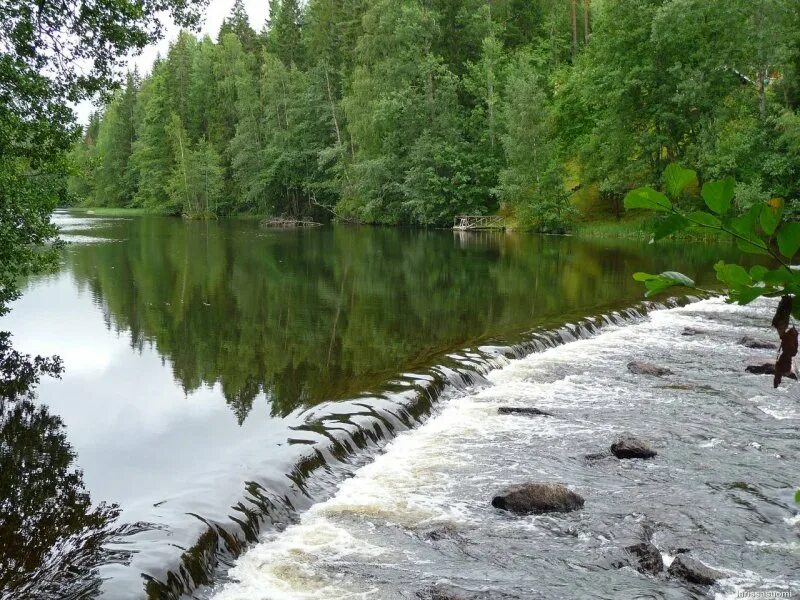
<point x="227" y="389"/>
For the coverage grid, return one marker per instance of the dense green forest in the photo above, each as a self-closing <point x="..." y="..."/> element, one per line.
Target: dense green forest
<point x="413" y="111"/>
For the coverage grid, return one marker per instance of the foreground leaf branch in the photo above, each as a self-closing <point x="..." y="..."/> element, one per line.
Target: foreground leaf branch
<point x="761" y="230"/>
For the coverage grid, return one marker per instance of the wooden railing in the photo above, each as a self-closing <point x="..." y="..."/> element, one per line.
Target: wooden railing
<point x="466" y="222"/>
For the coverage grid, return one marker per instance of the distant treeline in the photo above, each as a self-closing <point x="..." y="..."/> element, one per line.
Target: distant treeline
<point x="413" y="111"/>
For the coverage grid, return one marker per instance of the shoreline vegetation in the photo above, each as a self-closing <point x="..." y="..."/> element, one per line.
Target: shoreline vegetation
<point x="412" y="113"/>
<point x="634" y="227"/>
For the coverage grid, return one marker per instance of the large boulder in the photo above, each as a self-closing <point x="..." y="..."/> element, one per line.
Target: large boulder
<point x="537" y="498"/>
<point x="524" y="411"/>
<point x="629" y="446"/>
<point x="646" y="558"/>
<point x="756" y="344"/>
<point x="644" y="368"/>
<point x="693" y="571"/>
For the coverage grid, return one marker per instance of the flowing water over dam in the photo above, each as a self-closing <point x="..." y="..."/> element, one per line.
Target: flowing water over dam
<point x="313" y="414"/>
<point x="721" y="486"/>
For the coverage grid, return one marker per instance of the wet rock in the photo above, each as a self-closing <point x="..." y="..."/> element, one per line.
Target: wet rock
<point x="766" y="369"/>
<point x="447" y="591"/>
<point x="444" y="591"/>
<point x="693" y="571"/>
<point x="523" y="411"/>
<point x="646" y="558"/>
<point x="688" y="331"/>
<point x="756" y="344"/>
<point x="644" y="368"/>
<point x="629" y="446"/>
<point x="445" y="532"/>
<point x="594" y="456"/>
<point x="537" y="498"/>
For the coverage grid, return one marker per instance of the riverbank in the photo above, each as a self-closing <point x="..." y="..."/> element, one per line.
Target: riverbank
<point x="105" y="211"/>
<point x="636" y="227"/>
<point x="629" y="227"/>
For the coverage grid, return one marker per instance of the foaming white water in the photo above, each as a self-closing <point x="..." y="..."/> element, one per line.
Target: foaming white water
<point x="378" y="535"/>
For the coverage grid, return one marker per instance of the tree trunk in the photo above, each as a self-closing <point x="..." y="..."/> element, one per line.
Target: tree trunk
<point x="333" y="109"/>
<point x="490" y="102"/>
<point x="573" y="12"/>
<point x="586" y="21"/>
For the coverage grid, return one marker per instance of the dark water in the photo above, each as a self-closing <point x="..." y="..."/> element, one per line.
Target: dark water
<point x="221" y="379"/>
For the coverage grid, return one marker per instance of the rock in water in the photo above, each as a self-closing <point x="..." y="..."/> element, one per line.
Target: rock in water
<point x="766" y="369"/>
<point x="628" y="446"/>
<point x="446" y="591"/>
<point x="537" y="498"/>
<point x="643" y="368"/>
<point x="751" y="342"/>
<point x="442" y="591"/>
<point x="648" y="558"/>
<point x="689" y="331"/>
<point x="693" y="571"/>
<point x="526" y="411"/>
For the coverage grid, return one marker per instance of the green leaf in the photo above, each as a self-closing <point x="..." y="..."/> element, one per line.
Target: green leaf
<point x="670" y="225"/>
<point x="705" y="219"/>
<point x="780" y="277"/>
<point x="745" y="226"/>
<point x="677" y="179"/>
<point x="658" y="283"/>
<point x="758" y="272"/>
<point x="718" y="195"/>
<point x="732" y="275"/>
<point x="751" y="247"/>
<point x="746" y="294"/>
<point x="647" y="198"/>
<point x="797" y="496"/>
<point x="789" y="239"/>
<point x="771" y="215"/>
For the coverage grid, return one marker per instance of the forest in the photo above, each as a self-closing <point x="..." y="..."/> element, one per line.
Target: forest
<point x="408" y="113"/>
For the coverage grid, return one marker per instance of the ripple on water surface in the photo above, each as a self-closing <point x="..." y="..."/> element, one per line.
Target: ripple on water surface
<point x="722" y="484"/>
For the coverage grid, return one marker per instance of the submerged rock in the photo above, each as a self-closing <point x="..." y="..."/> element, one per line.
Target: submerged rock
<point x="594" y="456"/>
<point x="693" y="571"/>
<point x="646" y="557"/>
<point x="443" y="591"/>
<point x="525" y="411"/>
<point x="629" y="446"/>
<point x="644" y="368"/>
<point x="537" y="498"/>
<point x="767" y="369"/>
<point x="447" y="591"/>
<point x="693" y="331"/>
<point x="756" y="344"/>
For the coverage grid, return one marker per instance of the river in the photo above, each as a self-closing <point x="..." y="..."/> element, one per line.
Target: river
<point x="254" y="414"/>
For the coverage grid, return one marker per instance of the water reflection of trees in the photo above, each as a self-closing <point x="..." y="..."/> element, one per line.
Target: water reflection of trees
<point x="306" y="316"/>
<point x="51" y="537"/>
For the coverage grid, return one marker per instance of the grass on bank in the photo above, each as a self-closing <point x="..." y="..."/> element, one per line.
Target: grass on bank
<point x="635" y="227"/>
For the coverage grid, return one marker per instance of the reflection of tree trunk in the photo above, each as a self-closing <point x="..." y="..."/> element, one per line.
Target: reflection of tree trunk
<point x="185" y="271"/>
<point x="573" y="12"/>
<point x="336" y="318"/>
